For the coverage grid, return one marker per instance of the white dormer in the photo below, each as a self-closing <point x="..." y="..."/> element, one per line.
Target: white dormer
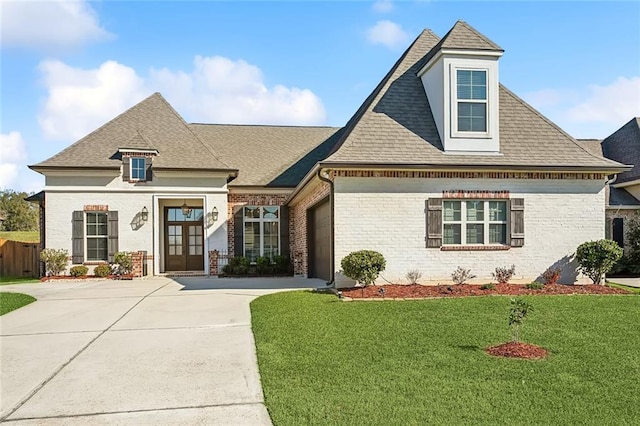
<point x="461" y="83"/>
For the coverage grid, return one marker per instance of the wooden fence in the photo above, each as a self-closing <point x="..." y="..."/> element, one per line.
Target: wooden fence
<point x="19" y="259"/>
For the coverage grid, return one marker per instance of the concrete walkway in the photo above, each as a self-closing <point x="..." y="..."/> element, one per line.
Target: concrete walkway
<point x="631" y="282"/>
<point x="153" y="351"/>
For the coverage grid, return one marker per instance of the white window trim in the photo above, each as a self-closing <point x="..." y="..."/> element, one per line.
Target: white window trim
<point x="87" y="237"/>
<point x="144" y="169"/>
<point x="455" y="133"/>
<point x="262" y="221"/>
<point x="486" y="222"/>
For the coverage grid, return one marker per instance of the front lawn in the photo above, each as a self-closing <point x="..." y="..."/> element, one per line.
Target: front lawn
<point x="323" y="361"/>
<point x="17" y="280"/>
<point x="12" y="301"/>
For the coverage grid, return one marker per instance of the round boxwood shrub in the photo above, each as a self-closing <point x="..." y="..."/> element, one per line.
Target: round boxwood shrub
<point x="78" y="271"/>
<point x="364" y="266"/>
<point x="101" y="270"/>
<point x="596" y="258"/>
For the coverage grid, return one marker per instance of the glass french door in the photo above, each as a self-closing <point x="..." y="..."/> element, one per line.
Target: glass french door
<point x="184" y="240"/>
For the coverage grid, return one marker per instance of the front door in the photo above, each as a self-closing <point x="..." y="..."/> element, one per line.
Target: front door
<point x="184" y="240"/>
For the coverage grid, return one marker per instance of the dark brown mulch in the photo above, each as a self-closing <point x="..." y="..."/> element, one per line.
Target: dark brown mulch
<point x="517" y="350"/>
<point x="408" y="291"/>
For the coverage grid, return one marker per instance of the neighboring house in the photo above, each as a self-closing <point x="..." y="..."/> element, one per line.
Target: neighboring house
<point x="440" y="167"/>
<point x="623" y="191"/>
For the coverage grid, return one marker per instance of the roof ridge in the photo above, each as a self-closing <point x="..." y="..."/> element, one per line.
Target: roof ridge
<point x="551" y="123"/>
<point x="265" y="125"/>
<point x="477" y="34"/>
<point x="186" y="125"/>
<point x="136" y="105"/>
<point x="369" y="100"/>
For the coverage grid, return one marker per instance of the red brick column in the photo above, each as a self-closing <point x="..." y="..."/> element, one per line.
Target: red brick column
<point x="137" y="257"/>
<point x="213" y="262"/>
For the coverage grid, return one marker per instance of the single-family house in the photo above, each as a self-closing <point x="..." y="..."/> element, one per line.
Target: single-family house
<point x="440" y="167"/>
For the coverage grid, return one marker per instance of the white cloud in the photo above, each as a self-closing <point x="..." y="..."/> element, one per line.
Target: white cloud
<point x="595" y="111"/>
<point x="383" y="6"/>
<point x="79" y="101"/>
<point x="12" y="155"/>
<point x="217" y="90"/>
<point x="49" y="24"/>
<point x="387" y="33"/>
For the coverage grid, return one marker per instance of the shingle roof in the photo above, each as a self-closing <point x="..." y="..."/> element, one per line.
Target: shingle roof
<point x="153" y="124"/>
<point x="624" y="146"/>
<point x="463" y="36"/>
<point x="277" y="156"/>
<point x="620" y="197"/>
<point x="594" y="146"/>
<point x="395" y="125"/>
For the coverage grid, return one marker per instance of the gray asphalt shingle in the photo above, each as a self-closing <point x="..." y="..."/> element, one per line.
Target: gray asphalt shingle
<point x="624" y="146"/>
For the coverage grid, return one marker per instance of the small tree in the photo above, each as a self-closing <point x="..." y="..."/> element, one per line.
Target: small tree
<point x="633" y="241"/>
<point x="55" y="261"/>
<point x="363" y="266"/>
<point x="596" y="258"/>
<point x="517" y="314"/>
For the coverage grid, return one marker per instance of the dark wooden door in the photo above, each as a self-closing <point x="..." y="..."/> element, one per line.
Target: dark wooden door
<point x="184" y="242"/>
<point x="320" y="242"/>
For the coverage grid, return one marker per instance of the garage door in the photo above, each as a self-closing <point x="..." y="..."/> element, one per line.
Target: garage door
<point x="320" y="241"/>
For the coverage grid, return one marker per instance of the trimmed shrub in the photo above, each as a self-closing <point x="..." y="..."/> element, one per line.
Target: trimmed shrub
<point x="413" y="276"/>
<point x="488" y="286"/>
<point x="503" y="274"/>
<point x="460" y="276"/>
<point x="78" y="271"/>
<point x="363" y="266"/>
<point x="633" y="243"/>
<point x="596" y="258"/>
<point x="237" y="266"/>
<point x="263" y="265"/>
<point x="55" y="261"/>
<point x="102" y="270"/>
<point x="535" y="285"/>
<point x="551" y="276"/>
<point x="124" y="263"/>
<point x="282" y="264"/>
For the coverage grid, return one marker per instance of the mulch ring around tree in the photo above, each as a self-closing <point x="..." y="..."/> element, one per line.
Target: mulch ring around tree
<point x="517" y="350"/>
<point x="416" y="291"/>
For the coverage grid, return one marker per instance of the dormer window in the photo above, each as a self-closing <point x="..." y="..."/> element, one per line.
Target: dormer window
<point x="471" y="98"/>
<point x="138" y="169"/>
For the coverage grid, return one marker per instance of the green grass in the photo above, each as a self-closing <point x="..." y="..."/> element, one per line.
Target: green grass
<point x="12" y="301"/>
<point x="24" y="236"/>
<point x="623" y="287"/>
<point x="323" y="361"/>
<point x="17" y="280"/>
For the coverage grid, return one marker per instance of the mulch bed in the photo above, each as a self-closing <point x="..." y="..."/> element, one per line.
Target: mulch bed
<point x="410" y="291"/>
<point x="86" y="277"/>
<point x="517" y="350"/>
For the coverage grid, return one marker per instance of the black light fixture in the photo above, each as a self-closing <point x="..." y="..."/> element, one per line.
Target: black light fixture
<point x="214" y="214"/>
<point x="145" y="214"/>
<point x="186" y="210"/>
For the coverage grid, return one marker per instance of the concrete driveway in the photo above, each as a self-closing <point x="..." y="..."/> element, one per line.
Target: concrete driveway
<point x="153" y="351"/>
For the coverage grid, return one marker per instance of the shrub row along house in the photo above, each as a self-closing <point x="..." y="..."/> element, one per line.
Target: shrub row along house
<point x="440" y="166"/>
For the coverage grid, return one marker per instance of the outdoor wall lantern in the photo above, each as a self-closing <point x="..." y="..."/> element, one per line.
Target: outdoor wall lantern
<point x="144" y="214"/>
<point x="214" y="214"/>
<point x="186" y="210"/>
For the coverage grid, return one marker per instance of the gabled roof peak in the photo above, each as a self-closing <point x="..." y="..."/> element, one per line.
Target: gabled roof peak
<point x="463" y="36"/>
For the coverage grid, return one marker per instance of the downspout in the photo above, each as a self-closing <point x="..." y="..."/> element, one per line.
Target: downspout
<point x="325" y="178"/>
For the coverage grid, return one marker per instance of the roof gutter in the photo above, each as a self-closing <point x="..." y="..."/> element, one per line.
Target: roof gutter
<point x="325" y="178"/>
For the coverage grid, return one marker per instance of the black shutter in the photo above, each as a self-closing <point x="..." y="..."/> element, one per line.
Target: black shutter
<point x="77" y="235"/>
<point x="148" y="162"/>
<point x="284" y="231"/>
<point x="434" y="222"/>
<point x="112" y="234"/>
<point x="618" y="231"/>
<point x="126" y="169"/>
<point x="517" y="222"/>
<point x="238" y="232"/>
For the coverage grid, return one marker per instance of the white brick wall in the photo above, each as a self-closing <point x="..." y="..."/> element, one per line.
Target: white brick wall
<point x="387" y="215"/>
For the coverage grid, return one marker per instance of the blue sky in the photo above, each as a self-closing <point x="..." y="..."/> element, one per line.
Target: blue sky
<point x="68" y="67"/>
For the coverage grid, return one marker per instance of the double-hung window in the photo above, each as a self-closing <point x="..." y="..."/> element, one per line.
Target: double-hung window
<point x="471" y="100"/>
<point x="138" y="169"/>
<point x="474" y="222"/>
<point x="96" y="236"/>
<point x="261" y="232"/>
